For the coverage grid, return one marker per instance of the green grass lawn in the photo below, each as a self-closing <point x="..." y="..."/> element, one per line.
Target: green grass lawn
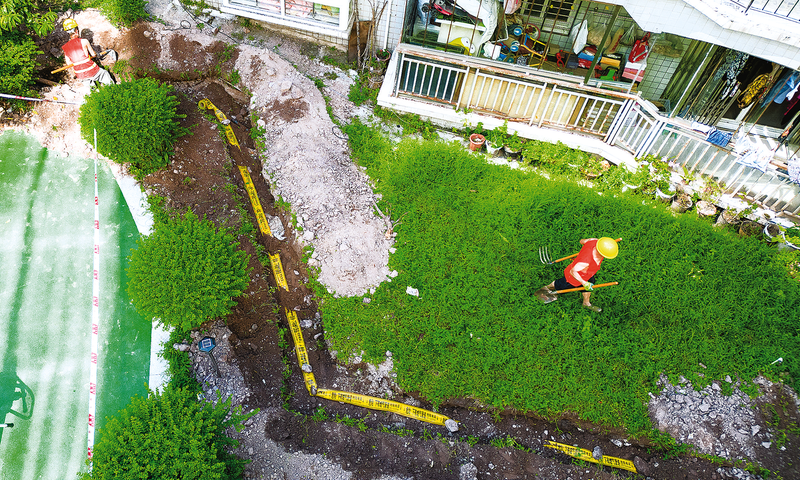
<point x="46" y="218"/>
<point x="689" y="293"/>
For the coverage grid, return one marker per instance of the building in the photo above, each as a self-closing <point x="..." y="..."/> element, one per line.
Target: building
<point x="700" y="83"/>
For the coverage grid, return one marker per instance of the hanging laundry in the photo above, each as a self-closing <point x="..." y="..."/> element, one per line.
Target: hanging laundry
<point x="752" y="154"/>
<point x="732" y="65"/>
<point x="719" y="138"/>
<point x="787" y="83"/>
<point x="794" y="170"/>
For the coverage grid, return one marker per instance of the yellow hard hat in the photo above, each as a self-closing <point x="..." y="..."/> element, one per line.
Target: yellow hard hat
<point x="70" y="24"/>
<point x="607" y="247"/>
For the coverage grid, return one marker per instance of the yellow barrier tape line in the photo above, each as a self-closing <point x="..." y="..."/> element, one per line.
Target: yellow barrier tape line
<point x="586" y="455"/>
<point x="206" y="103"/>
<point x="375" y="403"/>
<point x="277" y="270"/>
<point x="254" y="201"/>
<point x="302" y="353"/>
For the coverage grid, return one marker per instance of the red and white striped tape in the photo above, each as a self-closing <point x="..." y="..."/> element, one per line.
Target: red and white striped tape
<point x="95" y="310"/>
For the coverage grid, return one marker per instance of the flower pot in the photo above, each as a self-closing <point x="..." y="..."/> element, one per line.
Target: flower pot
<point x="476" y="141"/>
<point x="706" y="209"/>
<point x="749" y="228"/>
<point x="727" y="217"/>
<point x="628" y="186"/>
<point x="510" y="152"/>
<point x="664" y="197"/>
<point x="682" y="203"/>
<point x="493" y="149"/>
<point x="375" y="80"/>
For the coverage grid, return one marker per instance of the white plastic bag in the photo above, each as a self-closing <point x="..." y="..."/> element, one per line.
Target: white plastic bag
<point x="577" y="37"/>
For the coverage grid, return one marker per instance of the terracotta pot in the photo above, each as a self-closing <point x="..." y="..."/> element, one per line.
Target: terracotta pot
<point x="476" y="141"/>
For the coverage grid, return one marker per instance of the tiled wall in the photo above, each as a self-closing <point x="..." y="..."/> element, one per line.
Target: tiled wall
<point x="658" y="74"/>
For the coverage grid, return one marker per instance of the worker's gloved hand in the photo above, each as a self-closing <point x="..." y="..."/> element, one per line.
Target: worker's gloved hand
<point x="589" y="286"/>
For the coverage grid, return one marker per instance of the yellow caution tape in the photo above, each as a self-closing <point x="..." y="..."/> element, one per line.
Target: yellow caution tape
<point x="206" y="103"/>
<point x="277" y="270"/>
<point x="376" y="403"/>
<point x="231" y="137"/>
<point x="586" y="455"/>
<point x="302" y="353"/>
<point x="251" y="192"/>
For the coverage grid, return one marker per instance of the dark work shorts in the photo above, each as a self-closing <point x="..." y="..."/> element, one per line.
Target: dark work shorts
<point x="563" y="284"/>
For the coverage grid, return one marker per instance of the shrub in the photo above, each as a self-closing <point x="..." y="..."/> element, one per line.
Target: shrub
<point x="168" y="435"/>
<point x="24" y="15"/>
<point x="17" y="64"/>
<point x="136" y="123"/>
<point x="122" y="12"/>
<point x="186" y="272"/>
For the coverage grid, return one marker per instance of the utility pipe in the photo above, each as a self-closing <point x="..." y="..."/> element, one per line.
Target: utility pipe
<point x="386" y="31"/>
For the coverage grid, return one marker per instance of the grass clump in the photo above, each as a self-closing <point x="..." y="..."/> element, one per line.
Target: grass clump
<point x="168" y="435"/>
<point x="137" y="123"/>
<point x="186" y="272"/>
<point x="688" y="293"/>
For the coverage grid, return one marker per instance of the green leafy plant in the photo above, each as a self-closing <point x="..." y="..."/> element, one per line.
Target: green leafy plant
<point x="136" y="122"/>
<point x="168" y="435"/>
<point x="24" y="15"/>
<point x="17" y="64"/>
<point x="122" y="12"/>
<point x="186" y="272"/>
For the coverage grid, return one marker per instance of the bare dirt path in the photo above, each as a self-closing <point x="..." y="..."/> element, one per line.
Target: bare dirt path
<point x="307" y="164"/>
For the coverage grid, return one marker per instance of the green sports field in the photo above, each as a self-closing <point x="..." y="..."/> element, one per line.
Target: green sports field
<point x="46" y="253"/>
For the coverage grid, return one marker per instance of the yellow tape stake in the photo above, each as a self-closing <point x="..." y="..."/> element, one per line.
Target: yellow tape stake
<point x="206" y="103"/>
<point x="277" y="270"/>
<point x="254" y="201"/>
<point x="586" y="455"/>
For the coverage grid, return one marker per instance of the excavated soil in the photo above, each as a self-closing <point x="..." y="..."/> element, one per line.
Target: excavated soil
<point x="295" y="435"/>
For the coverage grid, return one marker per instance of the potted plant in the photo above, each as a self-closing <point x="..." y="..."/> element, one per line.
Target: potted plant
<point x="494" y="141"/>
<point x="383" y="55"/>
<point x="513" y="145"/>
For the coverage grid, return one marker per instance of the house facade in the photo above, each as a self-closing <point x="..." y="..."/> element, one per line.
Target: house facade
<point x="708" y="85"/>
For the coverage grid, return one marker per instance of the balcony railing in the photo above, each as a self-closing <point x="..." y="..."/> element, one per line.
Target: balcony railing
<point x="779" y="8"/>
<point x="621" y="120"/>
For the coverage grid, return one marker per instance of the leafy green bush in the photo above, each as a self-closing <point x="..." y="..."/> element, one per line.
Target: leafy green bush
<point x="24" y="15"/>
<point x="136" y="123"/>
<point x="17" y="64"/>
<point x="122" y="12"/>
<point x="688" y="293"/>
<point x="168" y="435"/>
<point x="186" y="272"/>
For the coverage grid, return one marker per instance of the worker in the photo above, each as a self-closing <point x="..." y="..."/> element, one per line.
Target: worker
<point x="80" y="53"/>
<point x="582" y="270"/>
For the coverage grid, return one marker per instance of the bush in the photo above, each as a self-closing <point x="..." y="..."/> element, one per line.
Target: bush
<point x="17" y="64"/>
<point x="136" y="123"/>
<point x="186" y="272"/>
<point x="167" y="435"/>
<point x="122" y="12"/>
<point x="24" y="15"/>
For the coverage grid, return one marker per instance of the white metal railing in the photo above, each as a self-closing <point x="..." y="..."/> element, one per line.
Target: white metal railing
<point x="621" y="120"/>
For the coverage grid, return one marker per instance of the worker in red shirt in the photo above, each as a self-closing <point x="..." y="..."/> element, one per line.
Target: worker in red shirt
<point x="582" y="270"/>
<point x="79" y="53"/>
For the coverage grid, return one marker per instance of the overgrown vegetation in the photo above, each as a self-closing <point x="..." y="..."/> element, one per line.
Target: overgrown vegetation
<point x="688" y="293"/>
<point x="168" y="435"/>
<point x="186" y="272"/>
<point x="17" y="64"/>
<point x="122" y="13"/>
<point x="137" y="123"/>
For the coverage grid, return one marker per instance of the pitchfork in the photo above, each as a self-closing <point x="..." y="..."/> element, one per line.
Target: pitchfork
<point x="544" y="255"/>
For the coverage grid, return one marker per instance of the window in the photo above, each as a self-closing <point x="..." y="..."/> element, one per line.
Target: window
<point x="558" y="10"/>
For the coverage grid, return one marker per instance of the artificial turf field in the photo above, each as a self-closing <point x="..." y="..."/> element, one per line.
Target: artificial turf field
<point x="46" y="254"/>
